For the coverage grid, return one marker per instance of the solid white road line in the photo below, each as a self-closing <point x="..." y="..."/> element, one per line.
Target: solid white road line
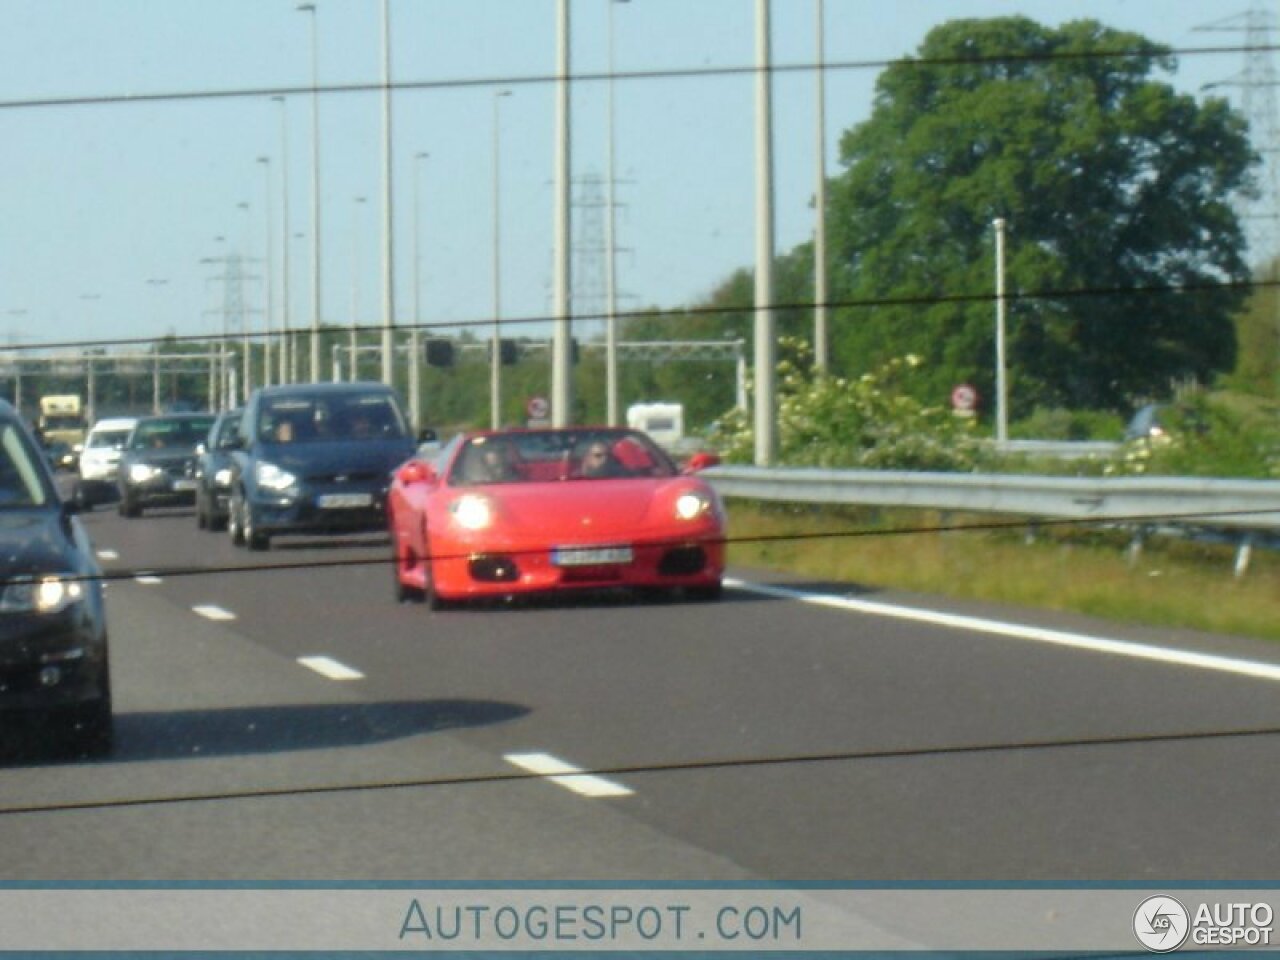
<point x="148" y="579"/>
<point x="328" y="667"/>
<point x="108" y="555"/>
<point x="1257" y="669"/>
<point x="211" y="612"/>
<point x="567" y="775"/>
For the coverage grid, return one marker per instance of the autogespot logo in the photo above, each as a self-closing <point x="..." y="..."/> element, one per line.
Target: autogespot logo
<point x="1161" y="924"/>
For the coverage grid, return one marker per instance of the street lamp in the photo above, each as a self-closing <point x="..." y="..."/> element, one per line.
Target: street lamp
<point x="611" y="245"/>
<point x="246" y="361"/>
<point x="268" y="303"/>
<point x="561" y="345"/>
<point x="388" y="232"/>
<point x="310" y="8"/>
<point x="355" y="289"/>
<point x="820" y="297"/>
<point x="286" y="346"/>
<point x="1002" y="386"/>
<point x="415" y="364"/>
<point x="766" y="446"/>
<point x="495" y="358"/>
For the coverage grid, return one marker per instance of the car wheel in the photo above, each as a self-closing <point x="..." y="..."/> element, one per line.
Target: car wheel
<point x="430" y="596"/>
<point x="129" y="507"/>
<point x="235" y="530"/>
<point x="255" y="538"/>
<point x="401" y="554"/>
<point x="202" y="518"/>
<point x="88" y="730"/>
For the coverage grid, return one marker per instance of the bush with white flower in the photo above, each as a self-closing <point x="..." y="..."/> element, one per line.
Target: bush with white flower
<point x="867" y="422"/>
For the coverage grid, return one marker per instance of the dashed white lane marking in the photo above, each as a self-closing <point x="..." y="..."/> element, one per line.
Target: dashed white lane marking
<point x="328" y="667"/>
<point x="211" y="612"/>
<point x="1257" y="669"/>
<point x="567" y="775"/>
<point x="108" y="555"/>
<point x="148" y="579"/>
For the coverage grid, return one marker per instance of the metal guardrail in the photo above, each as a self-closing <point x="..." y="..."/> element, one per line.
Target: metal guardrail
<point x="1244" y="505"/>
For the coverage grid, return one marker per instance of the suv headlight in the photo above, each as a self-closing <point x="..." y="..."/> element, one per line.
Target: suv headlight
<point x="273" y="478"/>
<point x="47" y="594"/>
<point x="142" y="472"/>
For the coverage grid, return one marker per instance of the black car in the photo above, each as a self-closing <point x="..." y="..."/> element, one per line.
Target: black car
<point x="315" y="458"/>
<point x="53" y="628"/>
<point x="158" y="466"/>
<point x="213" y="471"/>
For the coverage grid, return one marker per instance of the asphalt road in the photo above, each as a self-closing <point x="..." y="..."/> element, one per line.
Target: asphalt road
<point x="767" y="736"/>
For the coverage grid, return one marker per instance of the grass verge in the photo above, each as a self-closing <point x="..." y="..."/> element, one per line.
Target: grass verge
<point x="1171" y="583"/>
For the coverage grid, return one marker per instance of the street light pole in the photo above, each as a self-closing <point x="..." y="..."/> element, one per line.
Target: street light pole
<point x="310" y="8"/>
<point x="821" y="358"/>
<point x="611" y="247"/>
<point x="353" y="370"/>
<point x="268" y="280"/>
<point x="286" y="346"/>
<point x="495" y="349"/>
<point x="561" y="359"/>
<point x="765" y="345"/>
<point x="1002" y="386"/>
<point x="415" y="343"/>
<point x="246" y="345"/>
<point x="388" y="227"/>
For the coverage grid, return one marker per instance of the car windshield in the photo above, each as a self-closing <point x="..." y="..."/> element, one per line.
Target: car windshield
<point x="107" y="439"/>
<point x="549" y="456"/>
<point x="20" y="474"/>
<point x="178" y="433"/>
<point x="328" y="418"/>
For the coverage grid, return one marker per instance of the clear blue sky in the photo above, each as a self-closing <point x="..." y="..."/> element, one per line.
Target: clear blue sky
<point x="109" y="209"/>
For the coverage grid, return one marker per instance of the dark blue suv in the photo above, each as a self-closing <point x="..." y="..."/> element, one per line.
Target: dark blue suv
<point x="315" y="458"/>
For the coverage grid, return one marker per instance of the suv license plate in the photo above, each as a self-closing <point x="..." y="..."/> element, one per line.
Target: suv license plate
<point x="344" y="501"/>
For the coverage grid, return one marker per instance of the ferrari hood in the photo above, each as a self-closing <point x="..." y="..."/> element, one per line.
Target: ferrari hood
<point x="560" y="508"/>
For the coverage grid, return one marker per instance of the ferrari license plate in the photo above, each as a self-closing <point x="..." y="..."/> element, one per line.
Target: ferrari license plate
<point x="590" y="556"/>
<point x="344" y="501"/>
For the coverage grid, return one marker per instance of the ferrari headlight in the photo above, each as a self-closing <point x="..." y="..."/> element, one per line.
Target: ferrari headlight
<point x="472" y="512"/>
<point x="48" y="594"/>
<point x="273" y="478"/>
<point x="142" y="472"/>
<point x="691" y="505"/>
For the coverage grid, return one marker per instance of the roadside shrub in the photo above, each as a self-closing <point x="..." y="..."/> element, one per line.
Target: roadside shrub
<point x="868" y="422"/>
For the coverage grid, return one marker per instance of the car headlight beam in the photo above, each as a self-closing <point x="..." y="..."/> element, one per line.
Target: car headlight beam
<point x="48" y="594"/>
<point x="142" y="472"/>
<point x="272" y="477"/>
<point x="472" y="512"/>
<point x="691" y="505"/>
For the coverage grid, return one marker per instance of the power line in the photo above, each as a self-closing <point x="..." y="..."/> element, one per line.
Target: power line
<point x="253" y="93"/>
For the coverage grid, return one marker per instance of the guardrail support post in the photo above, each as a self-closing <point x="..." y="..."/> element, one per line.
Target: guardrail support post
<point x="1134" y="551"/>
<point x="1244" y="552"/>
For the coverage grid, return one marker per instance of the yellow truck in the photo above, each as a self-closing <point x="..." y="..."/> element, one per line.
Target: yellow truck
<point x="62" y="418"/>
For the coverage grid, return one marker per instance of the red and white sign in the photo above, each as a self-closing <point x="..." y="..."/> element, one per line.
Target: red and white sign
<point x="964" y="398"/>
<point x="537" y="408"/>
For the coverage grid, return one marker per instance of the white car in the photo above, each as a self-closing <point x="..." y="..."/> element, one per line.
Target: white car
<point x="100" y="459"/>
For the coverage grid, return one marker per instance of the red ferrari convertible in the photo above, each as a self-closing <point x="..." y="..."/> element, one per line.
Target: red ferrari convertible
<point x="498" y="513"/>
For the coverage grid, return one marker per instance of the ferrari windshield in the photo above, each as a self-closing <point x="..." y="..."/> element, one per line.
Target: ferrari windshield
<point x="543" y="456"/>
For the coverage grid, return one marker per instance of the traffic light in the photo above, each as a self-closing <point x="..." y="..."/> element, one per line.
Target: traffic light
<point x="439" y="352"/>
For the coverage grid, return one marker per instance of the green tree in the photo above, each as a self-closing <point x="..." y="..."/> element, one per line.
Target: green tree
<point x="1113" y="185"/>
